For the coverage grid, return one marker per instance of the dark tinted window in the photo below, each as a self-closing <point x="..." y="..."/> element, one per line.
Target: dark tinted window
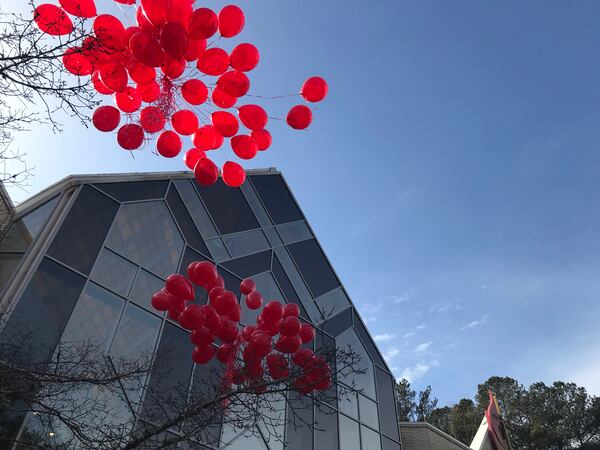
<point x="265" y="284"/>
<point x="196" y="208"/>
<point x="232" y="282"/>
<point x="276" y="198"/>
<point x="246" y="243"/>
<point x="250" y="265"/>
<point x="333" y="302"/>
<point x="204" y="387"/>
<point x="387" y="407"/>
<point x="169" y="381"/>
<point x="314" y="267"/>
<point x="362" y="378"/>
<point x="113" y="272"/>
<point x="228" y="208"/>
<point x="83" y="231"/>
<point x="185" y="222"/>
<point x="339" y="323"/>
<point x="298" y="435"/>
<point x="146" y="234"/>
<point x="8" y="265"/>
<point x="256" y="205"/>
<point x="286" y="286"/>
<point x="388" y="444"/>
<point x="36" y="219"/>
<point x="326" y="427"/>
<point x="136" y="334"/>
<point x="364" y="336"/>
<point x="45" y="307"/>
<point x="144" y="287"/>
<point x="135" y="190"/>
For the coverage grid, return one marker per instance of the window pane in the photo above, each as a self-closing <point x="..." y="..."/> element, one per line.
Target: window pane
<point x="146" y="234"/>
<point x="17" y="238"/>
<point x="349" y="341"/>
<point x="296" y="279"/>
<point x="388" y="444"/>
<point x="228" y="208"/>
<point x="387" y="407"/>
<point x="113" y="272"/>
<point x="293" y="232"/>
<point x="339" y="323"/>
<point x="45" y="308"/>
<point x="368" y="412"/>
<point x="217" y="250"/>
<point x="135" y="190"/>
<point x="144" y="287"/>
<point x="333" y="302"/>
<point x="256" y="205"/>
<point x="286" y="286"/>
<point x="36" y="219"/>
<point x="249" y="265"/>
<point x="299" y="437"/>
<point x="314" y="267"/>
<point x="82" y="233"/>
<point x="8" y="265"/>
<point x="265" y="284"/>
<point x="185" y="222"/>
<point x="190" y="256"/>
<point x="327" y="421"/>
<point x="273" y="237"/>
<point x="347" y="401"/>
<point x="277" y="198"/>
<point x="349" y="435"/>
<point x="367" y="341"/>
<point x="94" y="318"/>
<point x="370" y="439"/>
<point x="196" y="208"/>
<point x="136" y="334"/>
<point x="246" y="243"/>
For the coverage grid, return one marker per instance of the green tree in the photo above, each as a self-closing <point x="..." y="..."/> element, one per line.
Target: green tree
<point x="405" y="400"/>
<point x="440" y="418"/>
<point x="464" y="420"/>
<point x="426" y="405"/>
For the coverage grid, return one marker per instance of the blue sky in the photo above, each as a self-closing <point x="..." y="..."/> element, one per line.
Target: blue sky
<point x="452" y="175"/>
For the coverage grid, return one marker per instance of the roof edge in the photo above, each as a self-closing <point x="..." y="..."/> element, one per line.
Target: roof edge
<point x="434" y="430"/>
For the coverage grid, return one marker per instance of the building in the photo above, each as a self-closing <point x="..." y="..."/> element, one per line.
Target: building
<point x="83" y="257"/>
<point x="424" y="436"/>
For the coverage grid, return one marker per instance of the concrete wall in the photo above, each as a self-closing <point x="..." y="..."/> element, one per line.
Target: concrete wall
<point x="422" y="436"/>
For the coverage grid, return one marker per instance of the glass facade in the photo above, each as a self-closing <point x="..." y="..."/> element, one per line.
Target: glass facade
<point x="119" y="241"/>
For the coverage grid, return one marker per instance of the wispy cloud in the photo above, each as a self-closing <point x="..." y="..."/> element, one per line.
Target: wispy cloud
<point x="418" y="370"/>
<point x="421" y="327"/>
<point x="476" y="323"/>
<point x="421" y="348"/>
<point x="386" y="337"/>
<point x="389" y="355"/>
<point x="409" y="334"/>
<point x="370" y="310"/>
<point x="445" y="307"/>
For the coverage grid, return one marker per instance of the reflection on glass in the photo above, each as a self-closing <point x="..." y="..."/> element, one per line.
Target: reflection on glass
<point x="265" y="284"/>
<point x="370" y="439"/>
<point x="217" y="250"/>
<point x="349" y="434"/>
<point x="349" y="341"/>
<point x="347" y="402"/>
<point x="144" y="287"/>
<point x="294" y="232"/>
<point x="146" y="234"/>
<point x="113" y="272"/>
<point x="276" y="197"/>
<point x="273" y="237"/>
<point x="256" y="205"/>
<point x="196" y="208"/>
<point x="36" y="219"/>
<point x="299" y="437"/>
<point x="246" y="243"/>
<point x="8" y="265"/>
<point x="333" y="302"/>
<point x="94" y="317"/>
<point x="314" y="267"/>
<point x="185" y="222"/>
<point x="248" y="440"/>
<point x="326" y="427"/>
<point x="368" y="412"/>
<point x="388" y="444"/>
<point x="387" y="407"/>
<point x="136" y="334"/>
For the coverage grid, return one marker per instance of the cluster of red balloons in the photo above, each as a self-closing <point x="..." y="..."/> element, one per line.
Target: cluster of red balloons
<point x="272" y="347"/>
<point x="153" y="71"/>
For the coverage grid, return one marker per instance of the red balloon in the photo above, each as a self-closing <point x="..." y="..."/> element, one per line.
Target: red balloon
<point x="152" y="119"/>
<point x="52" y="20"/>
<point x="99" y="85"/>
<point x="203" y="23"/>
<point x="303" y="357"/>
<point x="263" y="139"/>
<point x="299" y="117"/>
<point x="130" y="31"/>
<point x="213" y="322"/>
<point x="130" y="136"/>
<point x="218" y="141"/>
<point x="106" y="118"/>
<point x="228" y="332"/>
<point x="244" y="146"/>
<point x="180" y="11"/>
<point x="214" y="61"/>
<point x="155" y="11"/>
<point x="110" y="31"/>
<point x="168" y="144"/>
<point x="222" y="99"/>
<point x="79" y="8"/>
<point x="277" y="366"/>
<point x="192" y="156"/>
<point x="179" y="286"/>
<point x="201" y="337"/>
<point x="236" y="314"/>
<point x="225" y="303"/>
<point x="142" y="20"/>
<point x="225" y="123"/>
<point x="150" y="92"/>
<point x="206" y="172"/>
<point x="174" y="314"/>
<point x="202" y="355"/>
<point x="194" y="49"/>
<point x="76" y="63"/>
<point x="253" y="117"/>
<point x="291" y="310"/>
<point x="194" y="92"/>
<point x="214" y="294"/>
<point x="272" y="312"/>
<point x="314" y="89"/>
<point x="161" y="301"/>
<point x="192" y="317"/>
<point x="185" y="122"/>
<point x="247" y="332"/>
<point x="247" y="286"/>
<point x="226" y="353"/>
<point x="129" y="100"/>
<point x="260" y="343"/>
<point x="204" y="274"/>
<point x="205" y="137"/>
<point x="173" y="68"/>
<point x="174" y="39"/>
<point x="244" y="57"/>
<point x="306" y="333"/>
<point x="288" y="344"/>
<point x="254" y="300"/>
<point x="141" y="73"/>
<point x="146" y="49"/>
<point x="290" y="326"/>
<point x="231" y="21"/>
<point x="234" y="175"/>
<point x="234" y="82"/>
<point x="114" y="76"/>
